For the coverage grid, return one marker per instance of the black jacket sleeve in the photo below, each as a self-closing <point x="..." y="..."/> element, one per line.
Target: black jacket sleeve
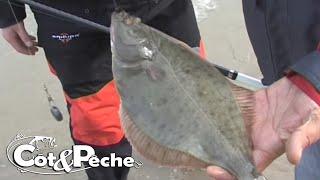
<point x="7" y="18"/>
<point x="284" y="35"/>
<point x="309" y="68"/>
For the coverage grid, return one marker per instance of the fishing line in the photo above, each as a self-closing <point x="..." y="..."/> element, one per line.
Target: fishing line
<point x="115" y="4"/>
<point x="55" y="111"/>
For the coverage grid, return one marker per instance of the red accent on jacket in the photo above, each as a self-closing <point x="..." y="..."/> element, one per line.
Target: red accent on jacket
<point x="305" y="86"/>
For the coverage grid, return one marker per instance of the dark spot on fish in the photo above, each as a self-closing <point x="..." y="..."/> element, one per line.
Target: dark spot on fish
<point x="187" y="71"/>
<point x="153" y="120"/>
<point x="181" y="136"/>
<point x="230" y="108"/>
<point x="171" y="89"/>
<point x="200" y="93"/>
<point x="196" y="125"/>
<point x="164" y="100"/>
<point x="162" y="126"/>
<point x="181" y="126"/>
<point x="155" y="73"/>
<point x="212" y="113"/>
<point x="219" y="118"/>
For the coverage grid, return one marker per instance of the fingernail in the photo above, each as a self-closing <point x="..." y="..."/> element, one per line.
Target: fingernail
<point x="215" y="170"/>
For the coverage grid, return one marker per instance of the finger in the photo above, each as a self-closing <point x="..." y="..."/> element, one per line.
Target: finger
<point x="304" y="136"/>
<point x="219" y="173"/>
<point x="35" y="44"/>
<point x="33" y="38"/>
<point x="33" y="50"/>
<point x="18" y="45"/>
<point x="24" y="36"/>
<point x="21" y="47"/>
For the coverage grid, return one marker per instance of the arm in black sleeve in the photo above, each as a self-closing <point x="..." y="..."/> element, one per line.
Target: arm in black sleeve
<point x="7" y="18"/>
<point x="309" y="68"/>
<point x="284" y="36"/>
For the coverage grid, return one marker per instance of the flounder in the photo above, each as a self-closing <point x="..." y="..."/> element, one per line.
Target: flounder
<point x="177" y="109"/>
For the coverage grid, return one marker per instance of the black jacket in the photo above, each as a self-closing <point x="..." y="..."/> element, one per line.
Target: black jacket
<point x="7" y="18"/>
<point x="284" y="35"/>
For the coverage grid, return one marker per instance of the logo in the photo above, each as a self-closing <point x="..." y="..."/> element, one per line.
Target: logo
<point x="65" y="37"/>
<point x="39" y="155"/>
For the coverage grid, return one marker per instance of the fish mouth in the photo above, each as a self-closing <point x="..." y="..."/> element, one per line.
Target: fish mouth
<point x="128" y="55"/>
<point x="125" y="18"/>
<point x="126" y="44"/>
<point x="122" y="25"/>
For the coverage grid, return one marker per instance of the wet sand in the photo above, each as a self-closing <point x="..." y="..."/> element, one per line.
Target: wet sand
<point x="24" y="108"/>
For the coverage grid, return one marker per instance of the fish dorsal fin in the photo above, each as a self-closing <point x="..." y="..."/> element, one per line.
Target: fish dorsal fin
<point x="246" y="102"/>
<point x="152" y="150"/>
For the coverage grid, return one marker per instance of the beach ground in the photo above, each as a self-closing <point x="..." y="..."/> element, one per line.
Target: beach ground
<point x="24" y="108"/>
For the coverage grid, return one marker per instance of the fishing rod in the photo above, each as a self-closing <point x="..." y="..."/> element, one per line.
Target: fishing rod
<point x="61" y="14"/>
<point x="240" y="77"/>
<point x="231" y="74"/>
<point x="56" y="113"/>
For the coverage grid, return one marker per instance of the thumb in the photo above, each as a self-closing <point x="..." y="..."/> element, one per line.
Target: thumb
<point x="304" y="136"/>
<point x="24" y="36"/>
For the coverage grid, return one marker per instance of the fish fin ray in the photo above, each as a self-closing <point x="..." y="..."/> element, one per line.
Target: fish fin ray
<point x="246" y="102"/>
<point x="153" y="151"/>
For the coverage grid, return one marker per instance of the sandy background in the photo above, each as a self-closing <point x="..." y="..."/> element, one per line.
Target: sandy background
<point x="24" y="108"/>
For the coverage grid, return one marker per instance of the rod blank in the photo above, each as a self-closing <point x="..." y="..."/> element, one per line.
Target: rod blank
<point x="232" y="74"/>
<point x="64" y="15"/>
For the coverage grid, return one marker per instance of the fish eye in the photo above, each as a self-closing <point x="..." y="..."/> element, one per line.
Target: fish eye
<point x="146" y="52"/>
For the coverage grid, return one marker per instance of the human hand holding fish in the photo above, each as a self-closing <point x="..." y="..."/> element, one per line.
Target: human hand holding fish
<point x="180" y="111"/>
<point x="287" y="121"/>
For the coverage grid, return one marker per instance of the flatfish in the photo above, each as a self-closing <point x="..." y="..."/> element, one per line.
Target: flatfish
<point x="177" y="109"/>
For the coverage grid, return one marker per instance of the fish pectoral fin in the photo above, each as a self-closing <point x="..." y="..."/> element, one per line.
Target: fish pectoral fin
<point x="246" y="102"/>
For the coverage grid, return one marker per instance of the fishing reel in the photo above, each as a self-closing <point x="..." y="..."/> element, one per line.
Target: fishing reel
<point x="55" y="111"/>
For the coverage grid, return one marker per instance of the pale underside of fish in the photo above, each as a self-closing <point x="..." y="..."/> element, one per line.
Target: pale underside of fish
<point x="177" y="109"/>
